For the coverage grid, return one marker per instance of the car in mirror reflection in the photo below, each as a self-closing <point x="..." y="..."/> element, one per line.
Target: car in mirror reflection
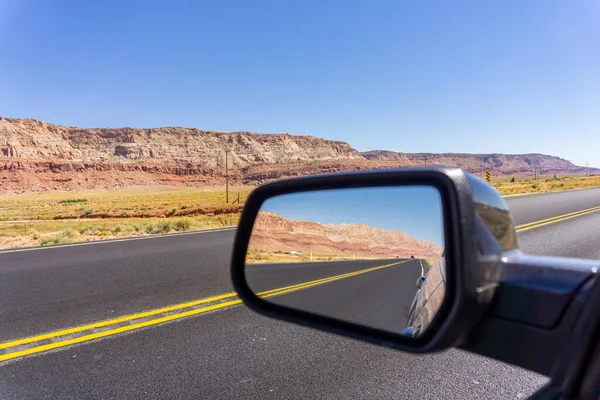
<point x="428" y="299"/>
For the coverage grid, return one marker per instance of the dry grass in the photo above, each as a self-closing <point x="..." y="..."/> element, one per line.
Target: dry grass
<point x="256" y="256"/>
<point x="545" y="184"/>
<point x="66" y="232"/>
<point x="63" y="217"/>
<point x="122" y="203"/>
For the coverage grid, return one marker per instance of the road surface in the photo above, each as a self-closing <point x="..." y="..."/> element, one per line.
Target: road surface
<point x="213" y="347"/>
<point x="375" y="293"/>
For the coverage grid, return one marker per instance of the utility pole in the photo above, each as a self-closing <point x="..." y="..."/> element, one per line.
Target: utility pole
<point x="226" y="175"/>
<point x="587" y="166"/>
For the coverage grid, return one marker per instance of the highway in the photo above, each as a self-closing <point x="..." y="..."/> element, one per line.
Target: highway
<point x="156" y="318"/>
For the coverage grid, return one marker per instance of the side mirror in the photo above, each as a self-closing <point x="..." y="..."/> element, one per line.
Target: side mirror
<point x="341" y="253"/>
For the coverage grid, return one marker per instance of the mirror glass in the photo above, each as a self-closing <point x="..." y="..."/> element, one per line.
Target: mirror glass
<point x="371" y="256"/>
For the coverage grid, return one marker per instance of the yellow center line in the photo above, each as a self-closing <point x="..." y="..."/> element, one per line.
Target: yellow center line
<point x="559" y="218"/>
<point x="306" y="285"/>
<point x="115" y="331"/>
<point x="114" y="321"/>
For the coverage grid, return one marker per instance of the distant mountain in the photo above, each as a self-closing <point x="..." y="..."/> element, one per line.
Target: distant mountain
<point x="274" y="233"/>
<point x="38" y="156"/>
<point x="503" y="164"/>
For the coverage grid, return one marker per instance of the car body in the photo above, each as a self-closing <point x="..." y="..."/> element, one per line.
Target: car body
<point x="428" y="299"/>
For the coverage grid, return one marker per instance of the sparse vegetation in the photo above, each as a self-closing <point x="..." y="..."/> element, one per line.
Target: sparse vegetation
<point x="86" y="211"/>
<point x="60" y="238"/>
<point x="72" y="201"/>
<point x="547" y="184"/>
<point x="261" y="256"/>
<point x="32" y="218"/>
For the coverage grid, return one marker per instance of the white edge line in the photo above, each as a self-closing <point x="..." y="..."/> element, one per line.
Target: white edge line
<point x="62" y="246"/>
<point x="556" y="191"/>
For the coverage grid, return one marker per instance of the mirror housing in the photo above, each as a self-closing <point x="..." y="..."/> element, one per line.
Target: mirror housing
<point x="478" y="229"/>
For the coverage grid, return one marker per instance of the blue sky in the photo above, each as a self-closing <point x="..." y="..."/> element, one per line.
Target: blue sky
<point x="416" y="210"/>
<point x="507" y="76"/>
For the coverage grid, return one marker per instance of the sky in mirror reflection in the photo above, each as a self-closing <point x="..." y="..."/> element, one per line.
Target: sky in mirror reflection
<point x="416" y="210"/>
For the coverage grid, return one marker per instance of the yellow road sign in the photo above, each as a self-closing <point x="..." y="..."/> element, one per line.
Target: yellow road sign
<point x="488" y="176"/>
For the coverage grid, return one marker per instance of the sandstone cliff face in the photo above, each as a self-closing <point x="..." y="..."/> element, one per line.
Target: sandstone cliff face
<point x="273" y="233"/>
<point x="29" y="139"/>
<point x="35" y="155"/>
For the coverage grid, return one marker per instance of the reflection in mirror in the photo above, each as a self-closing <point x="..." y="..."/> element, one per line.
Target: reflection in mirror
<point x="370" y="256"/>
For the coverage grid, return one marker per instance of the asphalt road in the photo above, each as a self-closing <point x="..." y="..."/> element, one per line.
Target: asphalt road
<point x="380" y="299"/>
<point x="54" y="288"/>
<point x="233" y="352"/>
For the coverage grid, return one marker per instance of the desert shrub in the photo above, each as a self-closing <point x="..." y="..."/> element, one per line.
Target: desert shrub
<point x="72" y="201"/>
<point x="69" y="233"/>
<point x="85" y="211"/>
<point x="256" y="255"/>
<point x="182" y="224"/>
<point x="137" y="228"/>
<point x="83" y="230"/>
<point x="123" y="228"/>
<point x="184" y="206"/>
<point x="34" y="234"/>
<point x="129" y="228"/>
<point x="89" y="230"/>
<point x="59" y="238"/>
<point x="512" y="180"/>
<point x="158" y="227"/>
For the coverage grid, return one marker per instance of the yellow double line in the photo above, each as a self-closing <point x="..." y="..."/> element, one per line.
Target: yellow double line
<point x="559" y="218"/>
<point x="231" y="298"/>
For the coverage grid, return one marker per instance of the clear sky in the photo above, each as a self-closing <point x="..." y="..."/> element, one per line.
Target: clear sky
<point x="511" y="76"/>
<point x="414" y="210"/>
